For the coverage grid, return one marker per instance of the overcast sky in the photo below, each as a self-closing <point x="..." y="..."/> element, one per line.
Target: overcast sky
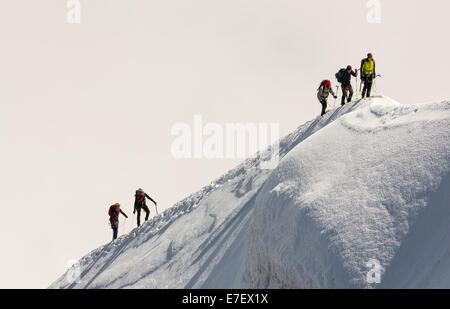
<point x="86" y="110"/>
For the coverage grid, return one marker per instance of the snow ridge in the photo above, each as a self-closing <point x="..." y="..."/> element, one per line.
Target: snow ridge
<point x="350" y="187"/>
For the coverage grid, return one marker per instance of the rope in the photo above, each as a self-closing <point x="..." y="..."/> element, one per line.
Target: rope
<point x="124" y="225"/>
<point x="337" y="91"/>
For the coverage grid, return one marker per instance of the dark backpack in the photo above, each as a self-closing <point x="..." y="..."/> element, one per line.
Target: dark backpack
<point x="362" y="62"/>
<point x="340" y="75"/>
<point x="139" y="200"/>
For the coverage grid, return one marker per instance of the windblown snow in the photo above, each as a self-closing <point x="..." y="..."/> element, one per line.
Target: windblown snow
<point x="367" y="182"/>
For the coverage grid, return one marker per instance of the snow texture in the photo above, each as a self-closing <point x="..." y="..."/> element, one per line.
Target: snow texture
<point x="369" y="180"/>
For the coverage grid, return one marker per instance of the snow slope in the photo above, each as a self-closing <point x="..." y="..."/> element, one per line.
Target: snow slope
<point x="370" y="180"/>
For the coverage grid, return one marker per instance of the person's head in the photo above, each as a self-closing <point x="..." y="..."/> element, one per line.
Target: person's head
<point x="369" y="56"/>
<point x="349" y="68"/>
<point x="328" y="84"/>
<point x="117" y="205"/>
<point x="140" y="190"/>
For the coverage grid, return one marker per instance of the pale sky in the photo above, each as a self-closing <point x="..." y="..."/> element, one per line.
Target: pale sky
<point x="86" y="110"/>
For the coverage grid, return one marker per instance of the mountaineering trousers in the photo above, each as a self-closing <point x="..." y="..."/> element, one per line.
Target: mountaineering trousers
<point x="147" y="212"/>
<point x="368" y="81"/>
<point x="115" y="230"/>
<point x="324" y="107"/>
<point x="114" y="226"/>
<point x="324" y="104"/>
<point x="344" y="93"/>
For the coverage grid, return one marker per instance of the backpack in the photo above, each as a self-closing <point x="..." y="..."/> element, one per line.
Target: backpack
<point x="139" y="200"/>
<point x="362" y="63"/>
<point x="112" y="210"/>
<point x="364" y="69"/>
<point x="340" y="75"/>
<point x="324" y="83"/>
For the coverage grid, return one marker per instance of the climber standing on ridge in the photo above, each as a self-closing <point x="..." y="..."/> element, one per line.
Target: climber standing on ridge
<point x="323" y="92"/>
<point x="114" y="212"/>
<point x="139" y="203"/>
<point x="367" y="74"/>
<point x="344" y="77"/>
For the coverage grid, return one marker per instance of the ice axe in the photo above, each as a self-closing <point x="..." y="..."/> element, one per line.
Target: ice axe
<point x="156" y="207"/>
<point x="357" y="79"/>
<point x="375" y="81"/>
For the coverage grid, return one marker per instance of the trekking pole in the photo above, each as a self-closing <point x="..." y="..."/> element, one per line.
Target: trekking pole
<point x="360" y="86"/>
<point x="335" y="99"/>
<point x="375" y="82"/>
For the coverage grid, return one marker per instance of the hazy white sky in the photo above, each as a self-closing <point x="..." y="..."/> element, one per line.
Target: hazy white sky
<point x="86" y="110"/>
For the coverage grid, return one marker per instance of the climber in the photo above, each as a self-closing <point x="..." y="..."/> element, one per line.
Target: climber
<point x="344" y="77"/>
<point x="367" y="74"/>
<point x="323" y="92"/>
<point x="114" y="212"/>
<point x="139" y="203"/>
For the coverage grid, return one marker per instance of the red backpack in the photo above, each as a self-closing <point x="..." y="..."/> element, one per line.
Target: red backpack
<point x="325" y="83"/>
<point x="112" y="211"/>
<point x="140" y="199"/>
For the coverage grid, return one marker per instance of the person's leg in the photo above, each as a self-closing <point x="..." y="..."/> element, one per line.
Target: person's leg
<point x="138" y="217"/>
<point x="364" y="88"/>
<point x="320" y="99"/>
<point x="369" y="87"/>
<point x="350" y="90"/>
<point x="147" y="212"/>
<point x="115" y="229"/>
<point x="344" y="94"/>
<point x="324" y="107"/>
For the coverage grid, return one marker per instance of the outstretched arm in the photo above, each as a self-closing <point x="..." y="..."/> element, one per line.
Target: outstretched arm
<point x="332" y="92"/>
<point x="123" y="213"/>
<point x="146" y="195"/>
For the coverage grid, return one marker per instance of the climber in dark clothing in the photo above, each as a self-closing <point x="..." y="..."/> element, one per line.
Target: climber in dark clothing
<point x="347" y="85"/>
<point x="114" y="212"/>
<point x="139" y="203"/>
